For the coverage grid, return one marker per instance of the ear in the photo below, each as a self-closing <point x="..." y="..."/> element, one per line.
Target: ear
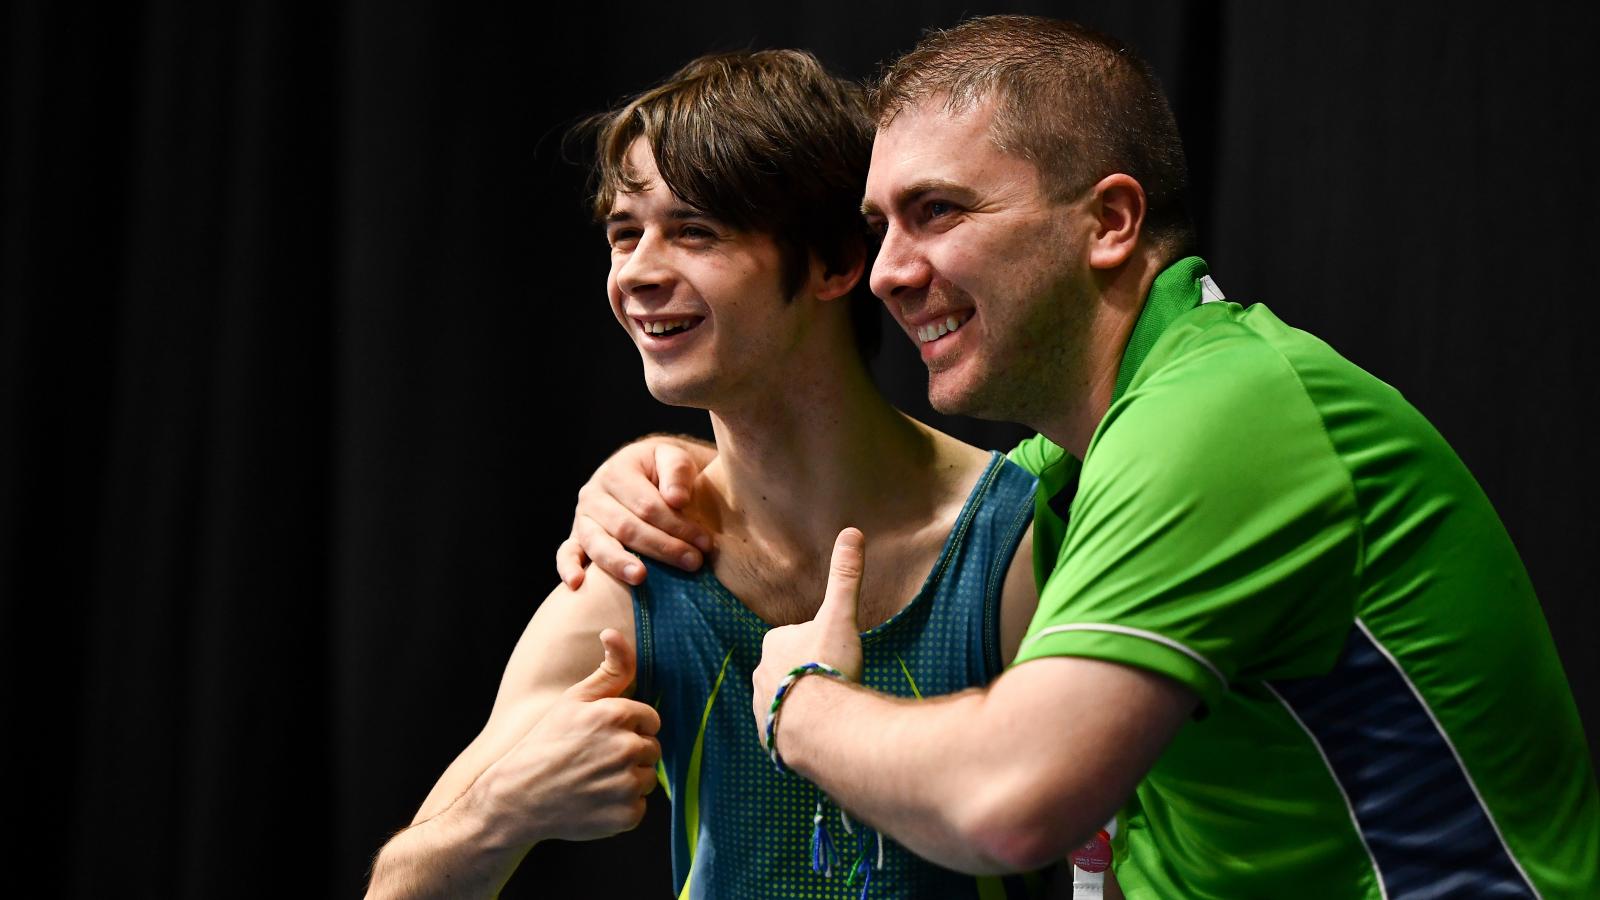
<point x="831" y="285"/>
<point x="1118" y="206"/>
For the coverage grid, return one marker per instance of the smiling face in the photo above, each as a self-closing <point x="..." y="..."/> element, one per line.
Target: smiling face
<point x="983" y="270"/>
<point x="702" y="301"/>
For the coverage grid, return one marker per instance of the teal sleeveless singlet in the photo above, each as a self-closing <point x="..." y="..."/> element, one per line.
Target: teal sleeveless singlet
<point x="741" y="829"/>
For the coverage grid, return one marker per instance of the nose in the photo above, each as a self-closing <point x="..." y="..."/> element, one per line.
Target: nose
<point x="900" y="268"/>
<point x="645" y="268"/>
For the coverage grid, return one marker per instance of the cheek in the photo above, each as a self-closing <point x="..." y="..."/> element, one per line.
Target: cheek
<point x="614" y="298"/>
<point x="1002" y="273"/>
<point x="965" y="261"/>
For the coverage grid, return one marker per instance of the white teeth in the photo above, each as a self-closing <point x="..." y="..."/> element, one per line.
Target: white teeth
<point x="933" y="332"/>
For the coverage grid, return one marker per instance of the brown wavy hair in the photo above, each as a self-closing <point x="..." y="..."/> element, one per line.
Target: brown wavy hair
<point x="766" y="141"/>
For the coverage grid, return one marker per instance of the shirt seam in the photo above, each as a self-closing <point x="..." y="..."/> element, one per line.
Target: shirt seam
<point x="1144" y="634"/>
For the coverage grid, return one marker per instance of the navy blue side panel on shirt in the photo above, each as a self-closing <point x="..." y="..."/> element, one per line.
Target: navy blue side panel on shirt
<point x="1415" y="807"/>
<point x="739" y="828"/>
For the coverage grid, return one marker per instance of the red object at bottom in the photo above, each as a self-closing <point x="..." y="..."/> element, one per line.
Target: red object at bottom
<point x="1094" y="855"/>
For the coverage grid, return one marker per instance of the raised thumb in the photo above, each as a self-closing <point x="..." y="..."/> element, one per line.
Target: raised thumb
<point x="614" y="673"/>
<point x="844" y="579"/>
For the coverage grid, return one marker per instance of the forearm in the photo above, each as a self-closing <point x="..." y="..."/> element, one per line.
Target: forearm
<point x="458" y="853"/>
<point x="941" y="776"/>
<point x="998" y="779"/>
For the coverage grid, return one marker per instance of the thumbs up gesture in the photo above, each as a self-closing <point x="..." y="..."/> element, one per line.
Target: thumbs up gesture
<point x="613" y="675"/>
<point x="833" y="637"/>
<point x="583" y="771"/>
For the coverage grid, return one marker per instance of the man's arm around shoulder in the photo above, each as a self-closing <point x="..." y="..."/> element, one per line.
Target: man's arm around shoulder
<point x="563" y="755"/>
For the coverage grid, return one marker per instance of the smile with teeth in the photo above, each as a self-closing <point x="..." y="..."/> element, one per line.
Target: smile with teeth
<point x="935" y="330"/>
<point x="668" y="326"/>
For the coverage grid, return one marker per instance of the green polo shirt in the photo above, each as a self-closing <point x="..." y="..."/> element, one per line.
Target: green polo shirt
<point x="1384" y="713"/>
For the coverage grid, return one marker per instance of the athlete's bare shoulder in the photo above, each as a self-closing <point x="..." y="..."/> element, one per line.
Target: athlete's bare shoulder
<point x="1018" y="599"/>
<point x="1020" y="596"/>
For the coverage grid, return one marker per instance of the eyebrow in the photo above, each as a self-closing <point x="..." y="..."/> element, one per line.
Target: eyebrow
<point x="678" y="213"/>
<point x="914" y="191"/>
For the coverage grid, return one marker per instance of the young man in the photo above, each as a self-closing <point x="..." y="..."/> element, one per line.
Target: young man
<point x="729" y="199"/>
<point x="1285" y="632"/>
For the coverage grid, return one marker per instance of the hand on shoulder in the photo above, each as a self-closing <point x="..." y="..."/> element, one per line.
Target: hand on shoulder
<point x="634" y="501"/>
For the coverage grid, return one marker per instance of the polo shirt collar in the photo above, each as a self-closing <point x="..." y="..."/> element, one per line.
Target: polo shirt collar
<point x="1175" y="291"/>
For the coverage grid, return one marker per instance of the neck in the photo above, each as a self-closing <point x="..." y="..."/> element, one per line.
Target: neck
<point x="820" y="451"/>
<point x="1122" y="292"/>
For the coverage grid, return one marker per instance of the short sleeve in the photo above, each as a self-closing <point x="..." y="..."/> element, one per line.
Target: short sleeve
<point x="1057" y="472"/>
<point x="1214" y="536"/>
<point x="1037" y="454"/>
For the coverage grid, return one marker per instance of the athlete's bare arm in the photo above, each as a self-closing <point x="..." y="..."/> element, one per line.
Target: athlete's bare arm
<point x="564" y="754"/>
<point x="1018" y="599"/>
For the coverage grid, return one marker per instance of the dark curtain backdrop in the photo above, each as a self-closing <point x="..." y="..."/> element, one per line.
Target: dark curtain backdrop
<point x="304" y="353"/>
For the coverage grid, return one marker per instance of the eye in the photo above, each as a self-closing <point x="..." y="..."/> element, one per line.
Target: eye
<point x="878" y="227"/>
<point x="697" y="232"/>
<point x="939" y="208"/>
<point x="622" y="238"/>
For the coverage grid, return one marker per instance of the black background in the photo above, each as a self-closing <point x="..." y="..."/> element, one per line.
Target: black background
<point x="304" y="352"/>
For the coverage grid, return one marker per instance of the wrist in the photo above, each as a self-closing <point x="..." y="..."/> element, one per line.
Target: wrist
<point x="492" y="825"/>
<point x="462" y="851"/>
<point x="799" y="709"/>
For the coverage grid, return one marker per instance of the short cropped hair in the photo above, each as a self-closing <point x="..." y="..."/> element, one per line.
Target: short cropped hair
<point x="1079" y="104"/>
<point x="767" y="141"/>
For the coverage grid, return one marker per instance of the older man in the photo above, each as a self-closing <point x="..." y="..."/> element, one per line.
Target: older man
<point x="1282" y="631"/>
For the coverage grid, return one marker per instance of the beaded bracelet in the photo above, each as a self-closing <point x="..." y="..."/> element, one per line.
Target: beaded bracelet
<point x="795" y="674"/>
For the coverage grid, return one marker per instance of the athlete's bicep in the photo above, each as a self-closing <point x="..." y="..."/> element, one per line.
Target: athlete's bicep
<point x="559" y="648"/>
<point x="561" y="644"/>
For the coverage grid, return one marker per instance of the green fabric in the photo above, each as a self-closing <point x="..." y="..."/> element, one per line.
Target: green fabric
<point x="1248" y="497"/>
<point x="691" y="792"/>
<point x="1175" y="291"/>
<point x="1057" y="471"/>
